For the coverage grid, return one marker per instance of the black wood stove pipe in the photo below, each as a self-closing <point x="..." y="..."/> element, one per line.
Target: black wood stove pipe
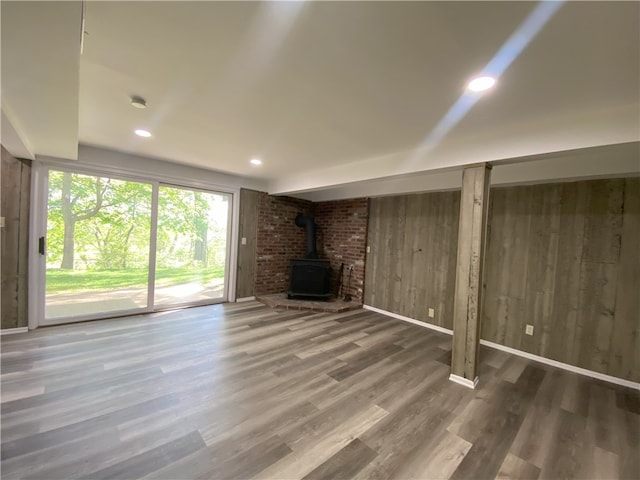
<point x="310" y="230"/>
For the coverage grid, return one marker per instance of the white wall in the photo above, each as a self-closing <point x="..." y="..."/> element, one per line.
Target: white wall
<point x="154" y="169"/>
<point x="597" y="162"/>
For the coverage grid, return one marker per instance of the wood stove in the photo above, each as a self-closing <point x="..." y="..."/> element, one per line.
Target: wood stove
<point x="310" y="278"/>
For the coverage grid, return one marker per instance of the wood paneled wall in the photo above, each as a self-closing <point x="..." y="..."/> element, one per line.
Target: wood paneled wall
<point x="247" y="253"/>
<point x="14" y="207"/>
<point x="412" y="260"/>
<point x="565" y="258"/>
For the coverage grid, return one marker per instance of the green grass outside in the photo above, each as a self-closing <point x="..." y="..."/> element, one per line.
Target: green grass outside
<point x="69" y="281"/>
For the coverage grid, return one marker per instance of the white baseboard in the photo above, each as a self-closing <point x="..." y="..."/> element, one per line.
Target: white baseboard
<point x="245" y="299"/>
<point x="564" y="366"/>
<point x="465" y="382"/>
<point x="410" y="320"/>
<point x="520" y="353"/>
<point x="11" y="331"/>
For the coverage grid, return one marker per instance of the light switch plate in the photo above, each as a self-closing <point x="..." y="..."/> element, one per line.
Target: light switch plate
<point x="432" y="313"/>
<point x="528" y="329"/>
<point x="368" y="249"/>
<point x="244" y="240"/>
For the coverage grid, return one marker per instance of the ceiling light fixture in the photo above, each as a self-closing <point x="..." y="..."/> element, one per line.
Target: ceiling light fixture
<point x="143" y="133"/>
<point x="138" y="102"/>
<point x="255" y="161"/>
<point x="480" y="84"/>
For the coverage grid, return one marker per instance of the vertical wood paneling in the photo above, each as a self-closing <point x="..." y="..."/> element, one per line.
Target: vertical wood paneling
<point x="397" y="246"/>
<point x="598" y="274"/>
<point x="10" y="210"/>
<point x="388" y="223"/>
<point x="411" y="265"/>
<point x="467" y="307"/>
<point x="624" y="354"/>
<point x="568" y="261"/>
<point x="247" y="253"/>
<point x="415" y="231"/>
<point x="541" y="251"/>
<point x="23" y="242"/>
<point x="16" y="180"/>
<point x="373" y="234"/>
<point x="564" y="258"/>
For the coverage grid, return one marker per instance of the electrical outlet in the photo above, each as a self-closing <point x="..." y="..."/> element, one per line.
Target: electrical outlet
<point x="528" y="329"/>
<point x="244" y="241"/>
<point x="368" y="249"/>
<point x="432" y="313"/>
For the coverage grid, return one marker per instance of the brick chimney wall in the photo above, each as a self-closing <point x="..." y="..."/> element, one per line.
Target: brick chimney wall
<point x="342" y="238"/>
<point x="278" y="241"/>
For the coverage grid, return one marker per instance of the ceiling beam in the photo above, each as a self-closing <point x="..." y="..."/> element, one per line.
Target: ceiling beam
<point x="13" y="137"/>
<point x="41" y="74"/>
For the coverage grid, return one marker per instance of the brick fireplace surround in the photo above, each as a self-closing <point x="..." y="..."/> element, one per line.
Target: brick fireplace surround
<point x="341" y="238"/>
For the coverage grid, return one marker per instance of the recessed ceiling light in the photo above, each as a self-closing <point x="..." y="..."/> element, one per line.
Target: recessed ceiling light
<point x="138" y="102"/>
<point x="143" y="133"/>
<point x="255" y="161"/>
<point x="480" y="84"/>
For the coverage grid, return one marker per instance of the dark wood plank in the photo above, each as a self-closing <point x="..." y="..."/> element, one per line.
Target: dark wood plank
<point x="364" y="360"/>
<point x="411" y="266"/>
<point x="152" y="460"/>
<point x="247" y="229"/>
<point x="14" y="206"/>
<point x="468" y="292"/>
<point x="499" y="428"/>
<point x="242" y="391"/>
<point x="563" y="258"/>
<point x="345" y="464"/>
<point x="621" y="361"/>
<point x="514" y="467"/>
<point x="49" y="438"/>
<point x="567" y="449"/>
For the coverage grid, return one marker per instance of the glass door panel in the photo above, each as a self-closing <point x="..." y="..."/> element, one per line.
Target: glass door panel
<point x="97" y="255"/>
<point x="191" y="247"/>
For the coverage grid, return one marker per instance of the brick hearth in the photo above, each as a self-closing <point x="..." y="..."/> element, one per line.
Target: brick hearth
<point x="333" y="305"/>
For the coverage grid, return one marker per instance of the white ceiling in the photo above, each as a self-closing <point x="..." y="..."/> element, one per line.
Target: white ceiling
<point x="333" y="93"/>
<point x="40" y="62"/>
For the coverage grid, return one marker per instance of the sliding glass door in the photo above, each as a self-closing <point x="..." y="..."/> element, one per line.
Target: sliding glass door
<point x="97" y="255"/>
<point x="192" y="239"/>
<point x="117" y="246"/>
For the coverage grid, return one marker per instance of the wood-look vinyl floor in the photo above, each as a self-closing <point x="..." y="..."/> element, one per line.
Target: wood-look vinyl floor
<point x="239" y="391"/>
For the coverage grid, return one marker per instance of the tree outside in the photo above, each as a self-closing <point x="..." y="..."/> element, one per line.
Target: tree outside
<point x="98" y="235"/>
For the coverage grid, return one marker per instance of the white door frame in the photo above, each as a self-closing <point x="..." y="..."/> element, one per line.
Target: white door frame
<point x="38" y="228"/>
